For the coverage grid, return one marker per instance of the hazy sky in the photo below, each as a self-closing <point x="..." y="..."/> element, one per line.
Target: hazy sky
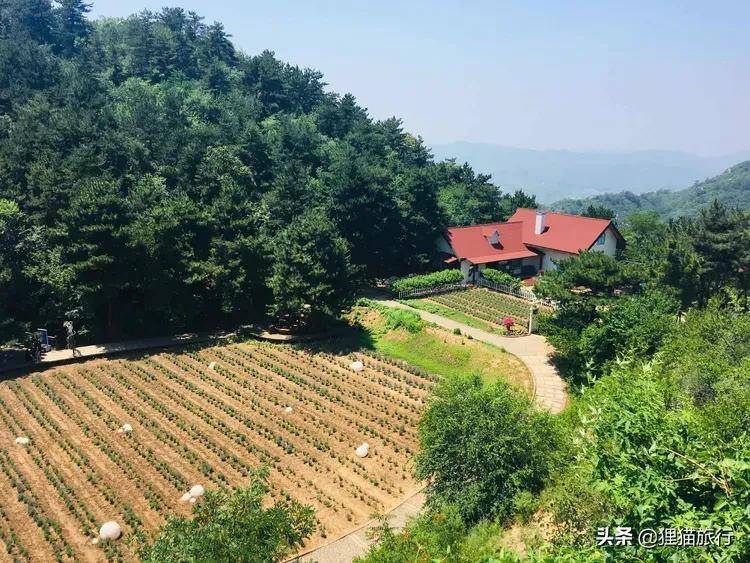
<point x="538" y="74"/>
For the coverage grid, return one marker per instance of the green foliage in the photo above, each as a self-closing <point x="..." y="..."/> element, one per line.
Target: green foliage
<point x="311" y="269"/>
<point x="427" y="281"/>
<point x="496" y="276"/>
<point x="399" y="318"/>
<point x="599" y="212"/>
<point x="481" y="445"/>
<point x="730" y="188"/>
<point x="634" y="325"/>
<point x="162" y="166"/>
<point x="34" y="283"/>
<point x="235" y="526"/>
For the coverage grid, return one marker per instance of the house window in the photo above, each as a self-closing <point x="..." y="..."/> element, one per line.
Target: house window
<point x="601" y="239"/>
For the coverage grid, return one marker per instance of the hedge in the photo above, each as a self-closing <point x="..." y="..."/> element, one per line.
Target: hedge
<point x="496" y="276"/>
<point x="425" y="281"/>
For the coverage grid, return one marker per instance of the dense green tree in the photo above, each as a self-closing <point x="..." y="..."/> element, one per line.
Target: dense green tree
<point x="599" y="212"/>
<point x="482" y="445"/>
<point x="311" y="269"/>
<point x="235" y="526"/>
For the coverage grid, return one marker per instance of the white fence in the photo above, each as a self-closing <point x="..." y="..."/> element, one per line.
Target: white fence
<point x="431" y="290"/>
<point x="519" y="292"/>
<point x="516" y="292"/>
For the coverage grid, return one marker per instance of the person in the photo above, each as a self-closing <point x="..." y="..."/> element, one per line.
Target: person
<point x="70" y="341"/>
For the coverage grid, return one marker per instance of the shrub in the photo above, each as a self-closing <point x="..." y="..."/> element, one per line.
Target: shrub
<point x="234" y="526"/>
<point x="427" y="281"/>
<point x="481" y="445"/>
<point x="399" y="318"/>
<point x="496" y="276"/>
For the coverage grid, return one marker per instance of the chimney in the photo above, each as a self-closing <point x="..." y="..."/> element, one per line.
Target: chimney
<point x="540" y="224"/>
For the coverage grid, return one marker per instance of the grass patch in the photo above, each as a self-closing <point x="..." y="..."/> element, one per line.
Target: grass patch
<point x="436" y="350"/>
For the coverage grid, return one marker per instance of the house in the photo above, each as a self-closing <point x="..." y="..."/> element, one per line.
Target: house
<point x="528" y="242"/>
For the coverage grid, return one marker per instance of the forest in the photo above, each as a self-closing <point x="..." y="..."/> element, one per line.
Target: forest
<point x="731" y="188"/>
<point x="154" y="179"/>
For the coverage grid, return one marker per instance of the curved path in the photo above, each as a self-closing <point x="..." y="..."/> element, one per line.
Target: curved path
<point x="550" y="392"/>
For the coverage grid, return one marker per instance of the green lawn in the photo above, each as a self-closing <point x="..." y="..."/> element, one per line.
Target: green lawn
<point x="439" y="351"/>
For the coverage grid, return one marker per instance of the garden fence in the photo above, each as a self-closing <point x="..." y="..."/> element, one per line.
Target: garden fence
<point x="516" y="292"/>
<point x="431" y="290"/>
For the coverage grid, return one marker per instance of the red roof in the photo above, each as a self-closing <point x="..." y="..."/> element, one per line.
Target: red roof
<point x="471" y="242"/>
<point x="562" y="232"/>
<point x="567" y="233"/>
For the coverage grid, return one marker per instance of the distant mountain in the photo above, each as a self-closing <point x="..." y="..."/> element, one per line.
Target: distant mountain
<point x="552" y="175"/>
<point x="732" y="188"/>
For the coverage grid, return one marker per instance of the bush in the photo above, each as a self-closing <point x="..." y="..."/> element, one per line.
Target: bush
<point x="496" y="276"/>
<point x="398" y="318"/>
<point x="483" y="445"/>
<point x="427" y="281"/>
<point x="234" y="526"/>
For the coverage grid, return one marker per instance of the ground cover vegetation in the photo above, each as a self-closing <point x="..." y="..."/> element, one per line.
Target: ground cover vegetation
<point x="154" y="178"/>
<point x="655" y="346"/>
<point x="403" y="334"/>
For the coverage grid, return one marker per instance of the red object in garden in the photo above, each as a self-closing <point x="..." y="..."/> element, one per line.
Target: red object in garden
<point x="508" y="323"/>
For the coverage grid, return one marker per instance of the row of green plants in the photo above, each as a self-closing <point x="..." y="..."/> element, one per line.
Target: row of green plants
<point x="427" y="281"/>
<point x="486" y="305"/>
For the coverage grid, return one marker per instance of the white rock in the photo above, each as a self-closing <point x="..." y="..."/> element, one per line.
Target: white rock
<point x="125" y="429"/>
<point x="22" y="441"/>
<point x="197" y="491"/>
<point x="185" y="498"/>
<point x="95" y="541"/>
<point x="110" y="531"/>
<point x="288" y="409"/>
<point x="192" y="500"/>
<point x="363" y="450"/>
<point x="357" y="366"/>
<point x="212" y="365"/>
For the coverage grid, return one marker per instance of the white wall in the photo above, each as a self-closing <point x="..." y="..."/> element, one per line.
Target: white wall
<point x="551" y="257"/>
<point x="610" y="243"/>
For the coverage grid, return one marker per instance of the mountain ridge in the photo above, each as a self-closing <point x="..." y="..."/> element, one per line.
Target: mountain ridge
<point x="731" y="187"/>
<point x="555" y="174"/>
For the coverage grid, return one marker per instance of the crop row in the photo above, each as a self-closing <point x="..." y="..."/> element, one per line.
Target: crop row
<point x="486" y="305"/>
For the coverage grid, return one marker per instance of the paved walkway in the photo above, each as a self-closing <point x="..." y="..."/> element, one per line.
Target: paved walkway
<point x="356" y="543"/>
<point x="101" y="350"/>
<point x="550" y="391"/>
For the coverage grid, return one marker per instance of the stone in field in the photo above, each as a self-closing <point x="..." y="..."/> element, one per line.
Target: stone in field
<point x="185" y="498"/>
<point x="357" y="366"/>
<point x="363" y="450"/>
<point x="110" y="531"/>
<point x="125" y="429"/>
<point x="197" y="491"/>
<point x="288" y="409"/>
<point x="212" y="365"/>
<point x="22" y="441"/>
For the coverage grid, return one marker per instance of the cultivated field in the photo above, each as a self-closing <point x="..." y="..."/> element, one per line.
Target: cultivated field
<point x="488" y="306"/>
<point x="193" y="424"/>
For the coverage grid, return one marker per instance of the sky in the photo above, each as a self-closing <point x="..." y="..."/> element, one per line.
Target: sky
<point x="594" y="75"/>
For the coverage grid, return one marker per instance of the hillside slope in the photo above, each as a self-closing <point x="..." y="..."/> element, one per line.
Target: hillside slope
<point x="555" y="174"/>
<point x="731" y="187"/>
